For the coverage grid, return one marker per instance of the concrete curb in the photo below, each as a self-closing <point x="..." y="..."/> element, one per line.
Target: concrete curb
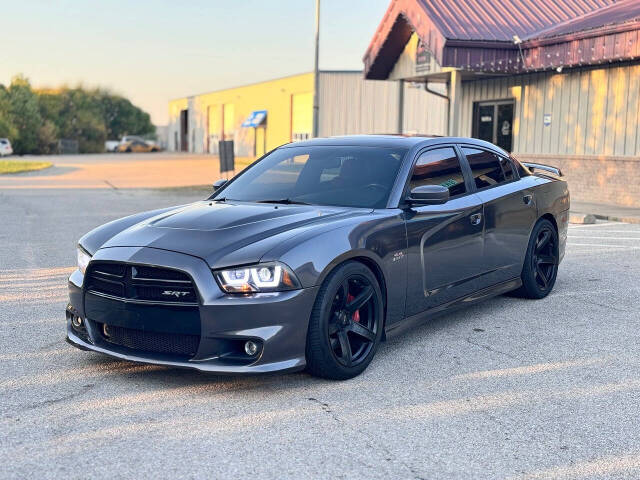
<point x="635" y="220"/>
<point x="590" y="218"/>
<point x="582" y="218"/>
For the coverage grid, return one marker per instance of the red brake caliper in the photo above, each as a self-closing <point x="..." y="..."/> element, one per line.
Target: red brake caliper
<point x="356" y="314"/>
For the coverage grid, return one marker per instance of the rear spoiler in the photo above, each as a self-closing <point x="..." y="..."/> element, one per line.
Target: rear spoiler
<point x="546" y="168"/>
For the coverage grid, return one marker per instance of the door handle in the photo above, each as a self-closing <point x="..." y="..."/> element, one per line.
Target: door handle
<point x="527" y="199"/>
<point x="475" y="219"/>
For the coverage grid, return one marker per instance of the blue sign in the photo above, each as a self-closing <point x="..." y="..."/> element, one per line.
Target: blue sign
<point x="256" y="119"/>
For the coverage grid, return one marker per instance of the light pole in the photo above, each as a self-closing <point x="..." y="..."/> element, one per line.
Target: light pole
<point x="316" y="73"/>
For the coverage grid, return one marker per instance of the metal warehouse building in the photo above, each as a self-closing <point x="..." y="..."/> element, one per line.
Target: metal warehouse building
<point x="554" y="82"/>
<point x="262" y="116"/>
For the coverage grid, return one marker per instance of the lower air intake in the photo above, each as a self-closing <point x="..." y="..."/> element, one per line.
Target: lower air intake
<point x="152" y="342"/>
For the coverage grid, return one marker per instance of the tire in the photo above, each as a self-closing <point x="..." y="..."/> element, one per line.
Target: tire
<point x="336" y="320"/>
<point x="540" y="268"/>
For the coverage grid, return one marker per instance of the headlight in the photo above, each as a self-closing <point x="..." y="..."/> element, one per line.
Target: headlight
<point x="267" y="277"/>
<point x="83" y="259"/>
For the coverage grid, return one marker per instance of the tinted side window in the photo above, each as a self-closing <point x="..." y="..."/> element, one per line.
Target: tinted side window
<point x="439" y="167"/>
<point x="485" y="167"/>
<point x="507" y="169"/>
<point x="522" y="170"/>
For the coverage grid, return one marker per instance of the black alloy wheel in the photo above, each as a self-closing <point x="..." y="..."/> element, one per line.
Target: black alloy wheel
<point x="541" y="263"/>
<point x="545" y="258"/>
<point x="352" y="323"/>
<point x="346" y="323"/>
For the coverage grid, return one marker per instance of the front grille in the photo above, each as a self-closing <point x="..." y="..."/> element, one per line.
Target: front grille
<point x="152" y="342"/>
<point x="154" y="273"/>
<point x="110" y="287"/>
<point x="140" y="282"/>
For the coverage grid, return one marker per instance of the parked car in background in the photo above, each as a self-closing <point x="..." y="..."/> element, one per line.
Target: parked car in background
<point x="131" y="138"/>
<point x="136" y="146"/>
<point x="316" y="253"/>
<point x="111" y="145"/>
<point x="5" y="147"/>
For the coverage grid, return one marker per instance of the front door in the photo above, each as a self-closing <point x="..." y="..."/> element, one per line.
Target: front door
<point x="445" y="242"/>
<point x="493" y="122"/>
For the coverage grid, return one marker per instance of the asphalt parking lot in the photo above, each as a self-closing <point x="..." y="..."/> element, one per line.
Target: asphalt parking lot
<point x="510" y="389"/>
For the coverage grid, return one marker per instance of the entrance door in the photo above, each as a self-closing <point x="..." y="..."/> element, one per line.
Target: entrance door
<point x="184" y="130"/>
<point x="493" y="122"/>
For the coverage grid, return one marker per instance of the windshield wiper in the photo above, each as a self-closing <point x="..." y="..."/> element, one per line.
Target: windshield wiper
<point x="286" y="201"/>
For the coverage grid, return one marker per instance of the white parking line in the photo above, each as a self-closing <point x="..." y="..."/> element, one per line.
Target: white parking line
<point x="598" y="225"/>
<point x="602" y="245"/>
<point x="604" y="238"/>
<point x="612" y="231"/>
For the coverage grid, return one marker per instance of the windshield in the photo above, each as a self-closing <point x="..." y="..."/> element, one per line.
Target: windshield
<point x="349" y="176"/>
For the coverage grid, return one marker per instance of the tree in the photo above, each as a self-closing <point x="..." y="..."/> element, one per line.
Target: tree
<point x="35" y="120"/>
<point x="123" y="118"/>
<point x="7" y="127"/>
<point x="25" y="113"/>
<point x="47" y="138"/>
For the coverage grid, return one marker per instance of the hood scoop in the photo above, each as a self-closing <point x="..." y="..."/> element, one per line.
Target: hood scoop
<point x="212" y="216"/>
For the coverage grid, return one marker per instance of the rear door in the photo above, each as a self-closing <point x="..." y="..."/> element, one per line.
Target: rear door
<point x="509" y="212"/>
<point x="445" y="242"/>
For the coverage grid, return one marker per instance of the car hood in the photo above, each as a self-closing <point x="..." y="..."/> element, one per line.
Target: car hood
<point x="216" y="231"/>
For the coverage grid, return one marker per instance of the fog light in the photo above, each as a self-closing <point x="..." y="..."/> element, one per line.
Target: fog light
<point x="105" y="330"/>
<point x="251" y="348"/>
<point x="76" y="321"/>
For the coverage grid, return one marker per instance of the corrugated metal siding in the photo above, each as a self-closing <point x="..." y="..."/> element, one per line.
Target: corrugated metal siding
<point x="593" y="111"/>
<point x="351" y="105"/>
<point x="425" y="113"/>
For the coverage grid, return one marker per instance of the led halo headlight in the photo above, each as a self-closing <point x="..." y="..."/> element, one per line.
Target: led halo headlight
<point x="83" y="259"/>
<point x="265" y="277"/>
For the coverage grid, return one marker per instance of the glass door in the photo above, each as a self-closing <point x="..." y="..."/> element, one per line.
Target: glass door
<point x="493" y="122"/>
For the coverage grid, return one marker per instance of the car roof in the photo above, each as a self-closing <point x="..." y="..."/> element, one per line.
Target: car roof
<point x="389" y="141"/>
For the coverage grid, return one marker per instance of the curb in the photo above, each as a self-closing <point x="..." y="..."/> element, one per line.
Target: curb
<point x="582" y="218"/>
<point x="590" y="218"/>
<point x="635" y="220"/>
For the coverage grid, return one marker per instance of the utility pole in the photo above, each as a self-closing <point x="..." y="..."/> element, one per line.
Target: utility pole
<point x="316" y="74"/>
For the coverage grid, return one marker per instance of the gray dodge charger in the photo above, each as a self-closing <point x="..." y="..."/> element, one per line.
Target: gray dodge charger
<point x="316" y="253"/>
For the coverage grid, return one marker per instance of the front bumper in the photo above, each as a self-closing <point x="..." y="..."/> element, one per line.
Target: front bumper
<point x="222" y="323"/>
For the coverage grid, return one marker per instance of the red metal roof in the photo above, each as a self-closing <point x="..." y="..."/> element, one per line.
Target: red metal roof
<point x="620" y="13"/>
<point x="492" y="20"/>
<point x="478" y="35"/>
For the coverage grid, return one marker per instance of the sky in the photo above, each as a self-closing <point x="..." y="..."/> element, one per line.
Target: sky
<point x="154" y="51"/>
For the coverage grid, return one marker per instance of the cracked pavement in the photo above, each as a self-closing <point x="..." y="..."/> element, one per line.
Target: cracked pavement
<point x="509" y="389"/>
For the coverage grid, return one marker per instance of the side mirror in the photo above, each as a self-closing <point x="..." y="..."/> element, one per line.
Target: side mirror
<point x="217" y="185"/>
<point x="428" y="195"/>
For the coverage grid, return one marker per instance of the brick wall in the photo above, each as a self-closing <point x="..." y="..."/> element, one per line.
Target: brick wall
<point x="597" y="179"/>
